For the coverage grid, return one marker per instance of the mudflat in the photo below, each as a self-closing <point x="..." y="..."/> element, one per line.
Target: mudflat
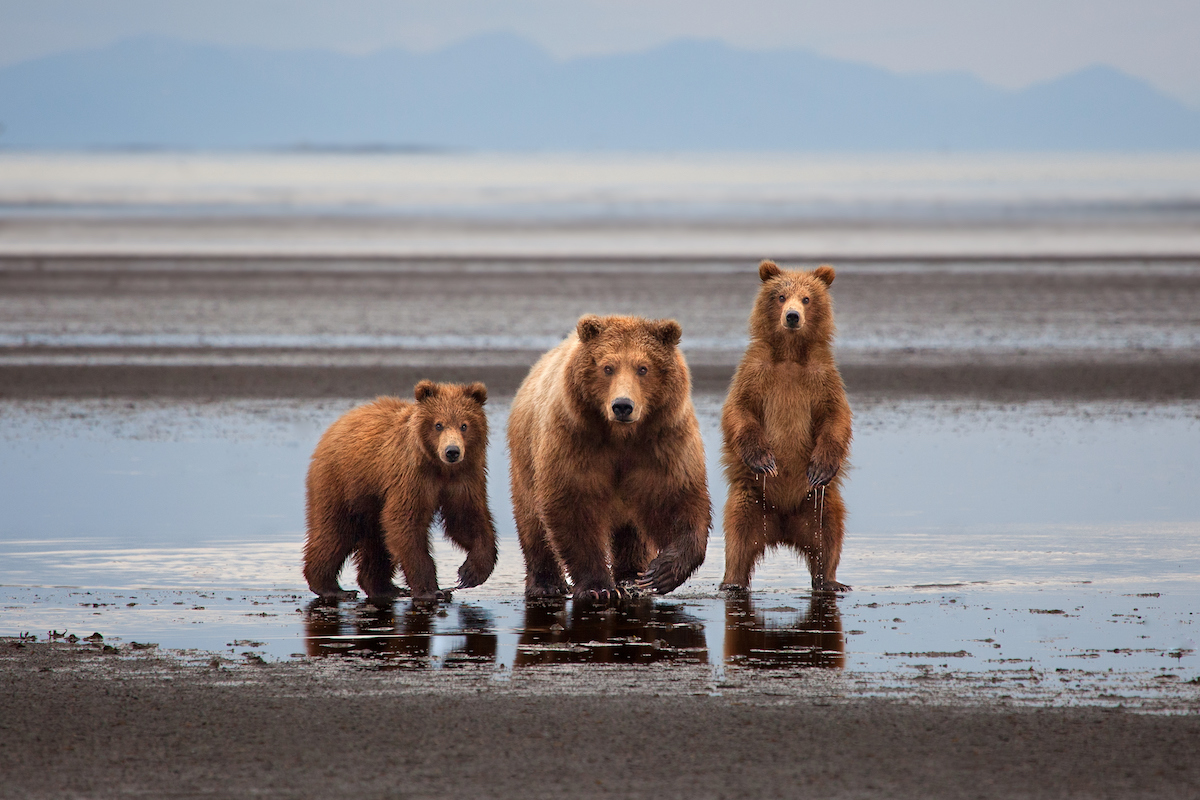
<point x="291" y="327"/>
<point x="79" y="722"/>
<point x="76" y="720"/>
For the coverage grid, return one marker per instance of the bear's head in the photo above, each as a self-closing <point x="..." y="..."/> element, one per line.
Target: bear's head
<point x="453" y="428"/>
<point x="629" y="369"/>
<point x="793" y="306"/>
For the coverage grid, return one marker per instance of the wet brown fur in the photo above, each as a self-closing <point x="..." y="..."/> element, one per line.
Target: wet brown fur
<point x="604" y="499"/>
<point x="786" y="426"/>
<point x="378" y="477"/>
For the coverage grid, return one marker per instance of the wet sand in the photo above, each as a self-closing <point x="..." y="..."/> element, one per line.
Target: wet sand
<point x="217" y="328"/>
<point x="76" y="721"/>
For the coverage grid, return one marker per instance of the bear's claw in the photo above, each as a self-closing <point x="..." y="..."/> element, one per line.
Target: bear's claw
<point x="763" y="463"/>
<point x="828" y="585"/>
<point x="821" y="474"/>
<point x="605" y="596"/>
<point x="662" y="576"/>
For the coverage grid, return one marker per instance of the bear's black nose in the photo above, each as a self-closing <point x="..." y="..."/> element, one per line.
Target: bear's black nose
<point x="453" y="452"/>
<point x="793" y="319"/>
<point x="622" y="408"/>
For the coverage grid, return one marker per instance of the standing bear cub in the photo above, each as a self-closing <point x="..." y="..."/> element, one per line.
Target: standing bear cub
<point x="786" y="425"/>
<point x="378" y="477"/>
<point x="608" y="477"/>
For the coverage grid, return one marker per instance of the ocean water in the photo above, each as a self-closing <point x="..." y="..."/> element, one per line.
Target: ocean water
<point x="749" y="187"/>
<point x="980" y="535"/>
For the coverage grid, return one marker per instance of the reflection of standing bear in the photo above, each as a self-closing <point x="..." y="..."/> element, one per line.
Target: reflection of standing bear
<point x="786" y="425"/>
<point x="607" y="463"/>
<point x="378" y="476"/>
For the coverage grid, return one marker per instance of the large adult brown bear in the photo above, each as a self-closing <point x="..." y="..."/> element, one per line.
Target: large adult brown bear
<point x="608" y="476"/>
<point x="378" y="477"/>
<point x="786" y="425"/>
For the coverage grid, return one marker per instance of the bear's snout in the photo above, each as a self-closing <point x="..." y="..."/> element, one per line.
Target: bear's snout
<point x="450" y="447"/>
<point x="622" y="409"/>
<point x="792" y="318"/>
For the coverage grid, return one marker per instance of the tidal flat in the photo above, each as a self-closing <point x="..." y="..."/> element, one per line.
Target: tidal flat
<point x="1023" y="542"/>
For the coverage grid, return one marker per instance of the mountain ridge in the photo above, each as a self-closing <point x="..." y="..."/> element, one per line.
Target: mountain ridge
<point x="502" y="92"/>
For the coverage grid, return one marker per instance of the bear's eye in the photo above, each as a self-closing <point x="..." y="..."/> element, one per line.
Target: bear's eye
<point x="463" y="427"/>
<point x="608" y="370"/>
<point x="438" y="426"/>
<point x="805" y="301"/>
<point x="782" y="297"/>
<point x="642" y="370"/>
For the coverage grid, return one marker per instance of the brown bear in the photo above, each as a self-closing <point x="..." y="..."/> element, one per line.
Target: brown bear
<point x="378" y="477"/>
<point x="786" y="426"/>
<point x="608" y="476"/>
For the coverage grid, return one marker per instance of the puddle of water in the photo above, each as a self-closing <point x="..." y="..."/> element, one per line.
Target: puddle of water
<point x="1002" y="539"/>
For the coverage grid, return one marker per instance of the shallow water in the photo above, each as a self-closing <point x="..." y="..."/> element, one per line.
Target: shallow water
<point x="981" y="538"/>
<point x="565" y="185"/>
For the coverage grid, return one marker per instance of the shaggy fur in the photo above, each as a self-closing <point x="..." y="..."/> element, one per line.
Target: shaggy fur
<point x="786" y="426"/>
<point x="378" y="477"/>
<point x="614" y="501"/>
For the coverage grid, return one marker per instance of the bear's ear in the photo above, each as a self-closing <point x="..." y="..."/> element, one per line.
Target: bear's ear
<point x="824" y="274"/>
<point x="425" y="390"/>
<point x="589" y="327"/>
<point x="477" y="392"/>
<point x="768" y="269"/>
<point x="666" y="331"/>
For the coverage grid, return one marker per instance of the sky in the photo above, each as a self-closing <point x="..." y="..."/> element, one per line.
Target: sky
<point x="1012" y="44"/>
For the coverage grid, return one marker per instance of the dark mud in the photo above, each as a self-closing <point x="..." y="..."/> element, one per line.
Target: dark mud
<point x="1155" y="378"/>
<point x="78" y="721"/>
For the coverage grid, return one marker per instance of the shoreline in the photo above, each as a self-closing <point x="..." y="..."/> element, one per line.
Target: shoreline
<point x="1100" y="376"/>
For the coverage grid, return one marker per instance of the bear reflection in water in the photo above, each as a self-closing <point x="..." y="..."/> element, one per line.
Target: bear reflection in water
<point x="558" y="631"/>
<point x="409" y="634"/>
<point x="780" y="636"/>
<point x="640" y="632"/>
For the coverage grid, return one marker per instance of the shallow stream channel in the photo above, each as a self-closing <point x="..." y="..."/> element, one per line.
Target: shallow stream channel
<point x="1048" y="552"/>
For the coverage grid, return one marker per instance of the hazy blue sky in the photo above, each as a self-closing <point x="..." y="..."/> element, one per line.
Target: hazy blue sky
<point x="1011" y="43"/>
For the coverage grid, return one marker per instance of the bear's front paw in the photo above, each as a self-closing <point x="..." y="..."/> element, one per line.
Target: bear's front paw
<point x="546" y="590"/>
<point x="662" y="576"/>
<point x="762" y="462"/>
<point x="600" y="595"/>
<point x="471" y="574"/>
<point x="821" y="473"/>
<point x="335" y="596"/>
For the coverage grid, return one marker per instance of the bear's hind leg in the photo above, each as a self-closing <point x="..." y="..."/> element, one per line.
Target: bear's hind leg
<point x="375" y="565"/>
<point x="817" y="530"/>
<point x="749" y="528"/>
<point x="331" y="539"/>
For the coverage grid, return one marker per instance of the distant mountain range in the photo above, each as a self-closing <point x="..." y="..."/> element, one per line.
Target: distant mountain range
<point x="499" y="92"/>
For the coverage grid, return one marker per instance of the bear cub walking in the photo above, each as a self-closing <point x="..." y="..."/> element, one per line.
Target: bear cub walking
<point x="786" y="426"/>
<point x="378" y="477"/>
